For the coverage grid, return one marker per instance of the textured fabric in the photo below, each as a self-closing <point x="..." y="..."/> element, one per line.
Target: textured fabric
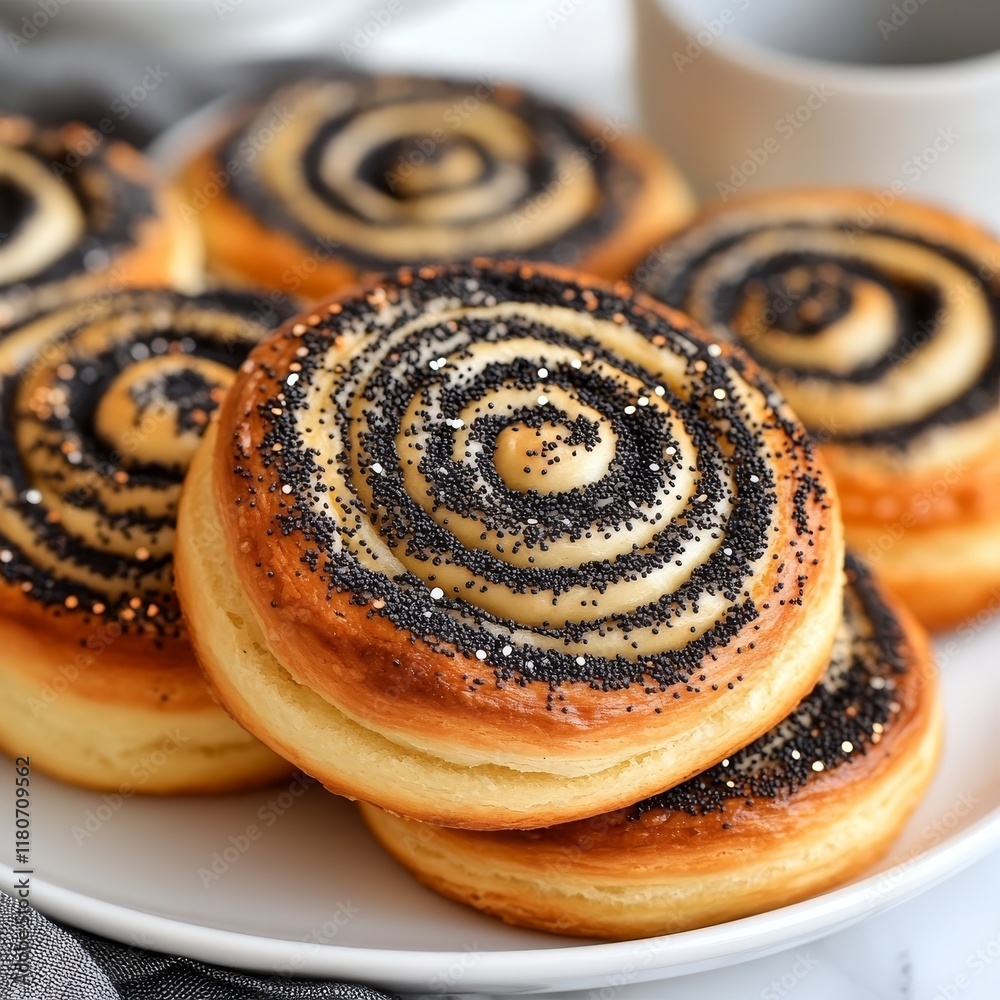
<point x="67" y="964"/>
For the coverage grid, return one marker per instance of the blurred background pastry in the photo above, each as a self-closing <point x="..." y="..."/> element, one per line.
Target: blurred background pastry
<point x="331" y="177"/>
<point x="881" y="326"/>
<point x="80" y="211"/>
<point x="103" y="403"/>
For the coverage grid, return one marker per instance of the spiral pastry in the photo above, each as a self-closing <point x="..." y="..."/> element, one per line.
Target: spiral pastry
<point x="331" y="178"/>
<point x="104" y="403"/>
<point x="503" y="546"/>
<point x="79" y="212"/>
<point x="881" y="328"/>
<point x="810" y="804"/>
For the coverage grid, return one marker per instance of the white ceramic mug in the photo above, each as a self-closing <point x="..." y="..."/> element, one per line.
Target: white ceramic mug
<point x="899" y="95"/>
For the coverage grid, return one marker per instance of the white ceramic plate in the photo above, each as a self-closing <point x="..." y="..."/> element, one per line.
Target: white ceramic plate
<point x="312" y="894"/>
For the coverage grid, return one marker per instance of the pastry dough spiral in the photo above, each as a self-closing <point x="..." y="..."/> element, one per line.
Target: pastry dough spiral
<point x="365" y="174"/>
<point x="520" y="524"/>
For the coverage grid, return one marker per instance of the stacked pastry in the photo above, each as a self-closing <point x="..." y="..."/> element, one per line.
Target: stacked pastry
<point x="810" y="804"/>
<point x="506" y="550"/>
<point x="882" y="329"/>
<point x="549" y="578"/>
<point x="104" y="394"/>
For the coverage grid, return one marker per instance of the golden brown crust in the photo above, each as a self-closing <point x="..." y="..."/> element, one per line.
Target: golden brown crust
<point x="306" y="730"/>
<point x="134" y="670"/>
<point x="945" y="573"/>
<point x="241" y="245"/>
<point x="662" y="205"/>
<point x="619" y="876"/>
<point x="415" y="694"/>
<point x="866" y="207"/>
<point x="371" y="671"/>
<point x="103" y="708"/>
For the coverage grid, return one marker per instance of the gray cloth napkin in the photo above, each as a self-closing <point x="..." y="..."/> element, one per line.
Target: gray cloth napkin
<point x="67" y="964"/>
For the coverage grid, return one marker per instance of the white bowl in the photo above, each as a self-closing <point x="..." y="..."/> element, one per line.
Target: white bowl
<point x="898" y="95"/>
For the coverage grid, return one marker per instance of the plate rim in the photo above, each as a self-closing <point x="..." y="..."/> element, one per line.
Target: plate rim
<point x="533" y="969"/>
